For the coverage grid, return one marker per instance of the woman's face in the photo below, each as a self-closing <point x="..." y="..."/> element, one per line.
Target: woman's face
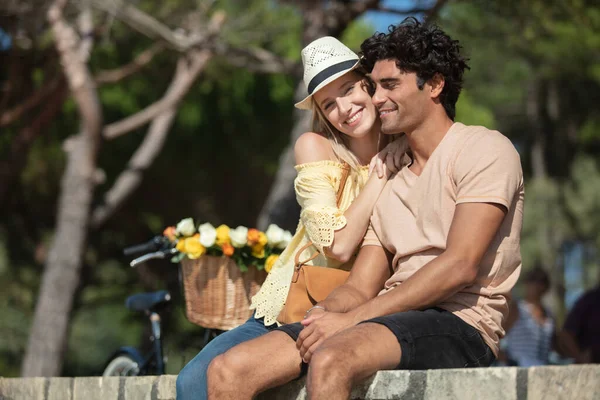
<point x="347" y="106"/>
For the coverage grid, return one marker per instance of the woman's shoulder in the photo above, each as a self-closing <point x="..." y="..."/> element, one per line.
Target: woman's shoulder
<point x="312" y="147"/>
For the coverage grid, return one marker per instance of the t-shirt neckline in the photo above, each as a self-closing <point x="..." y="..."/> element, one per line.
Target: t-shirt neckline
<point x="410" y="173"/>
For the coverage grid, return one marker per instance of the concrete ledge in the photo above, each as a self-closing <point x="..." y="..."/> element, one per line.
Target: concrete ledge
<point x="581" y="382"/>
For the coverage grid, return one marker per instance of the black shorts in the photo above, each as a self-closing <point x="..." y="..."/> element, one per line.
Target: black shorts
<point x="429" y="339"/>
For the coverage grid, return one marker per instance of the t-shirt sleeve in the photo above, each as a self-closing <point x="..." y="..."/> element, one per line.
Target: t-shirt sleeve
<point x="316" y="192"/>
<point x="487" y="170"/>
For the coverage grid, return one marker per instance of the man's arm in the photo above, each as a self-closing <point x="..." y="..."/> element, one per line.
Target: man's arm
<point x="472" y="230"/>
<point x="371" y="269"/>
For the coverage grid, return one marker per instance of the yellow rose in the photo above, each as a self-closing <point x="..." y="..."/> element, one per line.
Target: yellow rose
<point x="262" y="239"/>
<point x="258" y="251"/>
<point x="192" y="247"/>
<point x="223" y="235"/>
<point x="270" y="262"/>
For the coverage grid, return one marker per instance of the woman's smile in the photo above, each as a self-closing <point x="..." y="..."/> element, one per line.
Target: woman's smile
<point x="355" y="118"/>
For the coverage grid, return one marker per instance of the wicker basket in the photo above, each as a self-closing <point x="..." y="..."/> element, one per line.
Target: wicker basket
<point x="217" y="293"/>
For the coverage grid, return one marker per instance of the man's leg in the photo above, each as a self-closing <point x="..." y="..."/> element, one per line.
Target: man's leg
<point x="428" y="339"/>
<point x="191" y="382"/>
<point x="254" y="366"/>
<point x="348" y="357"/>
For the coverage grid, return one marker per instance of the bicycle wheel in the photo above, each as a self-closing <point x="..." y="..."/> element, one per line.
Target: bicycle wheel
<point x="122" y="365"/>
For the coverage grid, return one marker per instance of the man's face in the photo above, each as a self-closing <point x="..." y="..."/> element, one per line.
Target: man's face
<point x="402" y="105"/>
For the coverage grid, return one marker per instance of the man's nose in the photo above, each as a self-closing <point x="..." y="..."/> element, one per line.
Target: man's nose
<point x="378" y="98"/>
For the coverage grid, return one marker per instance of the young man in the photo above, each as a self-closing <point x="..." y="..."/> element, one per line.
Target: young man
<point x="429" y="286"/>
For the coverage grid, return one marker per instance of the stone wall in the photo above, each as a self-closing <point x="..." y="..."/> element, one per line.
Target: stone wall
<point x="581" y="382"/>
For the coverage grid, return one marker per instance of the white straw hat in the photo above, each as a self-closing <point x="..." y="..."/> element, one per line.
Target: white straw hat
<point x="324" y="60"/>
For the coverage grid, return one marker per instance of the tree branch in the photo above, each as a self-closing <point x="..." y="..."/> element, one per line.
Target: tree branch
<point x="11" y="168"/>
<point x="153" y="143"/>
<point x="410" y="11"/>
<point x="117" y="74"/>
<point x="149" y="26"/>
<point x="259" y="60"/>
<point x="171" y="99"/>
<point x="10" y="116"/>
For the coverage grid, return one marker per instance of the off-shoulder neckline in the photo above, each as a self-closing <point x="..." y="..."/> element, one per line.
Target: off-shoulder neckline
<point x="322" y="163"/>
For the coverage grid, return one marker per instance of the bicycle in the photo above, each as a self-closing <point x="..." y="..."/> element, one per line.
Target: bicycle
<point x="127" y="360"/>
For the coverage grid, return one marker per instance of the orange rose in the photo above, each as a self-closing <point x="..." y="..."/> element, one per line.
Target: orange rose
<point x="169" y="233"/>
<point x="227" y="249"/>
<point x="253" y="236"/>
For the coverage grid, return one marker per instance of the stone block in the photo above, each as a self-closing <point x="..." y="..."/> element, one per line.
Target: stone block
<point x="406" y="385"/>
<point x="60" y="389"/>
<point x="22" y="389"/>
<point x="292" y="391"/>
<point x="139" y="387"/>
<point x="581" y="382"/>
<point x="165" y="387"/>
<point x="97" y="388"/>
<point x="472" y="384"/>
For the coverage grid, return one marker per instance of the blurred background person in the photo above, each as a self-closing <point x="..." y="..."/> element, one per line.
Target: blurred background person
<point x="530" y="326"/>
<point x="580" y="336"/>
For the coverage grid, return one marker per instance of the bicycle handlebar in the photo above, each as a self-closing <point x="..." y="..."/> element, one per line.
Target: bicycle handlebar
<point x="151" y="256"/>
<point x="152" y="245"/>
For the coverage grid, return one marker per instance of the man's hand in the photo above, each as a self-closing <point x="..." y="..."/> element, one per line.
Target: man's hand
<point x="319" y="327"/>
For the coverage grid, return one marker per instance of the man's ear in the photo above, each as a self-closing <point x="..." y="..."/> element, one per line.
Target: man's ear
<point x="436" y="85"/>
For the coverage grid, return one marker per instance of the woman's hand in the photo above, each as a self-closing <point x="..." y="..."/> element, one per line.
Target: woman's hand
<point x="389" y="160"/>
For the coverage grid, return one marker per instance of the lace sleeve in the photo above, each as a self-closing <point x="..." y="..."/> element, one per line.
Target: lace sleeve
<point x="316" y="193"/>
<point x="321" y="222"/>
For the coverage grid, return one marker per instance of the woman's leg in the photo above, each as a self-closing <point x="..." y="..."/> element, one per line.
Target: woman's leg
<point x="191" y="382"/>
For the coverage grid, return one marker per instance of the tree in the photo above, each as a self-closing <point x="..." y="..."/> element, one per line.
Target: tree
<point x="197" y="46"/>
<point x="536" y="83"/>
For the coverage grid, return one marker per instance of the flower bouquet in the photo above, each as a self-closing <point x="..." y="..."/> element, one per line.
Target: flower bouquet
<point x="222" y="268"/>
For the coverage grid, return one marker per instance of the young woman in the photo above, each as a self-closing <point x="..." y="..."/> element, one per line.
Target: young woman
<point x="346" y="133"/>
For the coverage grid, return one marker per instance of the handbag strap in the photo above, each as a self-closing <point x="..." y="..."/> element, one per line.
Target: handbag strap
<point x="338" y="198"/>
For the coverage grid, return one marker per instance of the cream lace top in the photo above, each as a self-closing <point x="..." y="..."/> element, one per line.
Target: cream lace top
<point x="316" y="187"/>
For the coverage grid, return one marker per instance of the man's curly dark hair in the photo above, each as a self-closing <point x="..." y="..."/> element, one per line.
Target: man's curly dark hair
<point x="423" y="49"/>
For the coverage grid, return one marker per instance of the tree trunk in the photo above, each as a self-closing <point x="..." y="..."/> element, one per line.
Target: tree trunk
<point x="281" y="207"/>
<point x="48" y="336"/>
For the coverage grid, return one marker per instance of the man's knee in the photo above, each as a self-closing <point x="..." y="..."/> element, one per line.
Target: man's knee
<point x="328" y="363"/>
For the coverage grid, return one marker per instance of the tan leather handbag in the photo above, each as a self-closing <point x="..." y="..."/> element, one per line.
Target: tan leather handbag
<point x="311" y="283"/>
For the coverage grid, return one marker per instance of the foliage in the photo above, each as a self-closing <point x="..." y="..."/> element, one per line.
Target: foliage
<point x="222" y="154"/>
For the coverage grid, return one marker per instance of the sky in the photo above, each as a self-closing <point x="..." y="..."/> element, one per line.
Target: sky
<point x="381" y="20"/>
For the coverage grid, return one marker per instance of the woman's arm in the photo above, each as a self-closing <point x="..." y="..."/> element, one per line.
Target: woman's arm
<point x="312" y="147"/>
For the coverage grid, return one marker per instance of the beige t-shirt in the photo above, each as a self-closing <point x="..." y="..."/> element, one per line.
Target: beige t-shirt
<point x="413" y="215"/>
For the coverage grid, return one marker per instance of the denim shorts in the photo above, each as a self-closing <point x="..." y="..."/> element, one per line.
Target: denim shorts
<point x="430" y="339"/>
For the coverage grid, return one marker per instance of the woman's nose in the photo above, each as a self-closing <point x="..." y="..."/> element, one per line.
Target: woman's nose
<point x="343" y="105"/>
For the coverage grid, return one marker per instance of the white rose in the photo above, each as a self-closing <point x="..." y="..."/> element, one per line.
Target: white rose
<point x="208" y="234"/>
<point x="186" y="227"/>
<point x="285" y="240"/>
<point x="239" y="236"/>
<point x="274" y="235"/>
